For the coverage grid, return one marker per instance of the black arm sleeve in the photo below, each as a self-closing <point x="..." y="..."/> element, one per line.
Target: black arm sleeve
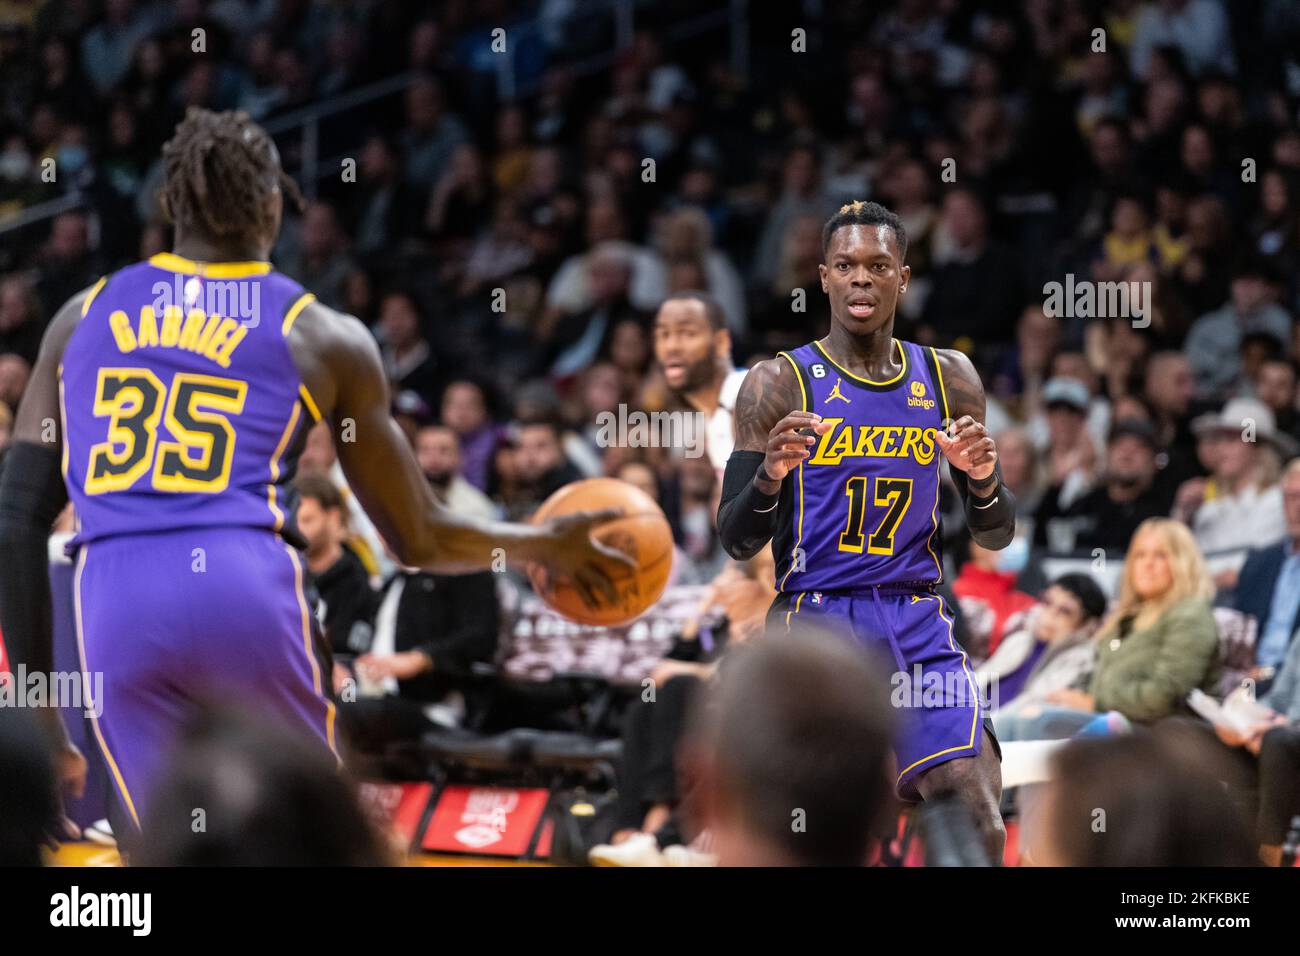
<point x="32" y="494"/>
<point x="746" y="516"/>
<point x="991" y="519"/>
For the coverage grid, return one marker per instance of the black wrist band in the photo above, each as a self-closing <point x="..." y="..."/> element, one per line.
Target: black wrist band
<point x="762" y="475"/>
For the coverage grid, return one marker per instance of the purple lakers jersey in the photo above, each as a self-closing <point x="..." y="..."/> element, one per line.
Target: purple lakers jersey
<point x="863" y="508"/>
<point x="180" y="398"/>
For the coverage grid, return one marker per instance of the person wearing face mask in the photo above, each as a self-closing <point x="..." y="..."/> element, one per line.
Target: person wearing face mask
<point x="18" y="183"/>
<point x="986" y="590"/>
<point x="72" y="159"/>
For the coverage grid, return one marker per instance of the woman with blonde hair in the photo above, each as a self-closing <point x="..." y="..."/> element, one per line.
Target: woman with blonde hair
<point x="1156" y="646"/>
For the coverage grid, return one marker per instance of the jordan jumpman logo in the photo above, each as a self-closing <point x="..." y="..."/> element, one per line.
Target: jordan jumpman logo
<point x="836" y="393"/>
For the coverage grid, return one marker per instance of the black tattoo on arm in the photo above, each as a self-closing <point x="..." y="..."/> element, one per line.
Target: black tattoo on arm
<point x="769" y="392"/>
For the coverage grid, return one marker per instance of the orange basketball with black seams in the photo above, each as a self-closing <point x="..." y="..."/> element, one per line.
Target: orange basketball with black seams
<point x="642" y="532"/>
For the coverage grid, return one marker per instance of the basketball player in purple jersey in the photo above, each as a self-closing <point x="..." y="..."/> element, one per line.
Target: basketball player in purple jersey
<point x="837" y="463"/>
<point x="170" y="401"/>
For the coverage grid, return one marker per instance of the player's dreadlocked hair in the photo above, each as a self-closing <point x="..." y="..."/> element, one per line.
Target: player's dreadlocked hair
<point x="859" y="213"/>
<point x="221" y="170"/>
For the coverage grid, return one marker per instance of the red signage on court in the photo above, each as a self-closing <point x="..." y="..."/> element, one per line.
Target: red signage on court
<point x="499" y="821"/>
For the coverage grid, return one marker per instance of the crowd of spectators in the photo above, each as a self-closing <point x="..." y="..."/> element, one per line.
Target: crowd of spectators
<point x="509" y="253"/>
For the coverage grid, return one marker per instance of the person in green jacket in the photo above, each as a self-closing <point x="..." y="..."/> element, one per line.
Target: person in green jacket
<point x="1156" y="646"/>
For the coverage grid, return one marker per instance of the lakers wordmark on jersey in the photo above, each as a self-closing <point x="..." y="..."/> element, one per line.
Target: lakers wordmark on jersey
<point x="863" y="508"/>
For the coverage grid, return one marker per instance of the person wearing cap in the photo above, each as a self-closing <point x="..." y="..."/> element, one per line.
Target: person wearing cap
<point x="1246" y="509"/>
<point x="1069" y="454"/>
<point x="1214" y="340"/>
<point x="1108" y="515"/>
<point x="1070" y="451"/>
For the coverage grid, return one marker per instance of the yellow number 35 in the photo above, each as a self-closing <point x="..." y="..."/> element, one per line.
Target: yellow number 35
<point x="195" y="408"/>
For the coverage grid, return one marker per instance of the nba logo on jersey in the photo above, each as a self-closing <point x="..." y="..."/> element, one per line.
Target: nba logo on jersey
<point x="817" y="597"/>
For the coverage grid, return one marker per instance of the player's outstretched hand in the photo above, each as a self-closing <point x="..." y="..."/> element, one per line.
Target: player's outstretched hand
<point x="576" y="555"/>
<point x="791" y="441"/>
<point x="968" y="447"/>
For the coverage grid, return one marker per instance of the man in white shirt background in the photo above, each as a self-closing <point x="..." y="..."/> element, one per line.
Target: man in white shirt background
<point x="437" y="449"/>
<point x="693" y="351"/>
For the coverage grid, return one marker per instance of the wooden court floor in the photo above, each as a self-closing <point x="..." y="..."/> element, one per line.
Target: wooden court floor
<point x="92" y="854"/>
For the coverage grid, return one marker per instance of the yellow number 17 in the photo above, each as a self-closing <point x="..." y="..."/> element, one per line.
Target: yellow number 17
<point x="892" y="494"/>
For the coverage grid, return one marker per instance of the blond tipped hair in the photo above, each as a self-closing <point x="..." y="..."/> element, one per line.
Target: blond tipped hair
<point x="1186" y="566"/>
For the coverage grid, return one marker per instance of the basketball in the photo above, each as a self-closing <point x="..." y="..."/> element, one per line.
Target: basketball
<point x="642" y="532"/>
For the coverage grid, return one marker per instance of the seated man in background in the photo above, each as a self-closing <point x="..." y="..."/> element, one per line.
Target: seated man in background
<point x="428" y="644"/>
<point x="1276" y="743"/>
<point x="1068" y="454"/>
<point x="429" y="629"/>
<point x="1276" y="383"/>
<point x="542" y="467"/>
<point x="1053" y="652"/>
<point x="1269" y="586"/>
<point x="333" y="568"/>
